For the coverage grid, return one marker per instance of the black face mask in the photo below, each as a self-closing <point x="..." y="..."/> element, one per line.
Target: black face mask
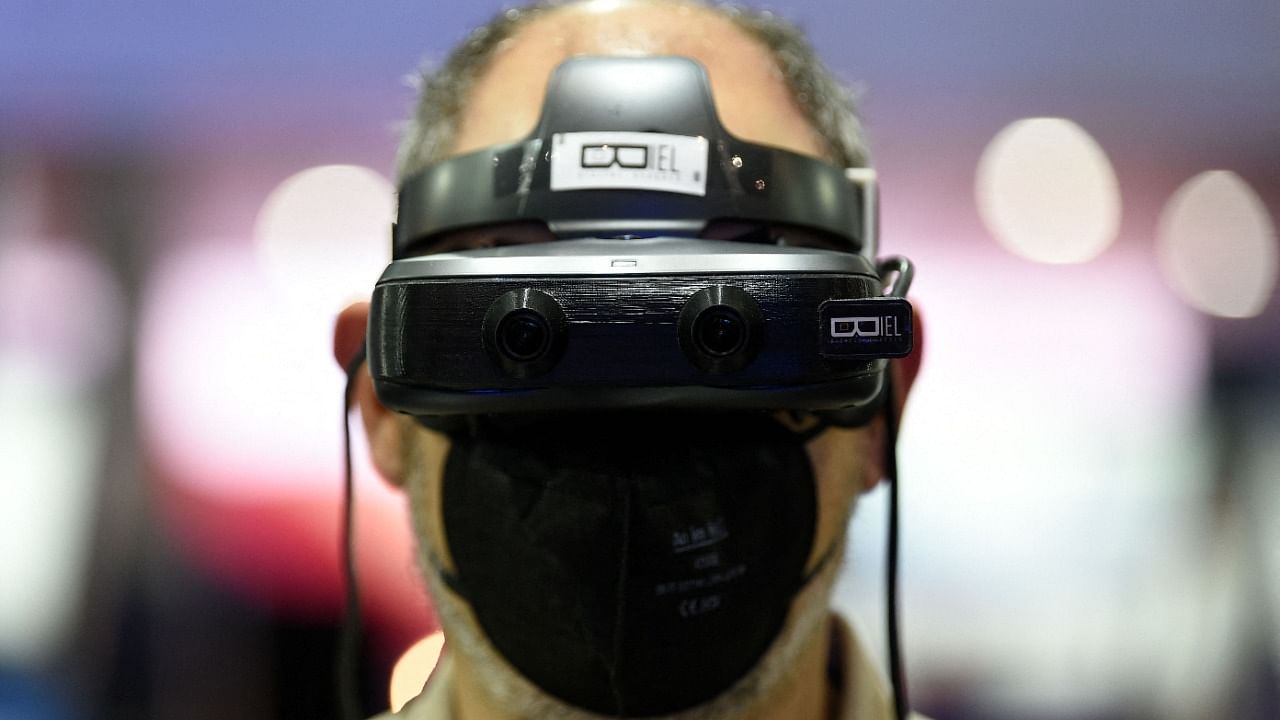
<point x="633" y="565"/>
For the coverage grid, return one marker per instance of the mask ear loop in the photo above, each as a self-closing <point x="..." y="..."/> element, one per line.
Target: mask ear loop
<point x="896" y="675"/>
<point x="347" y="668"/>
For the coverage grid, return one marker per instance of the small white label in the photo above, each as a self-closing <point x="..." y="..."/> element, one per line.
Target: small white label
<point x="629" y="161"/>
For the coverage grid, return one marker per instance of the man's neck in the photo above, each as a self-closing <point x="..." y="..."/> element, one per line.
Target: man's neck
<point x="803" y="694"/>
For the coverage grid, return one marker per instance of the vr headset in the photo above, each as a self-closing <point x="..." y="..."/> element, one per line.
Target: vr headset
<point x="629" y="304"/>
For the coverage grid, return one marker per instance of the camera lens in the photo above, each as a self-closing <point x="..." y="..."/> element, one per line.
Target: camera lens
<point x="719" y="331"/>
<point x="523" y="335"/>
<point x="524" y="332"/>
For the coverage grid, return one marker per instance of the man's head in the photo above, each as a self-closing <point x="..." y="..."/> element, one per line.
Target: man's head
<point x="490" y="88"/>
<point x="769" y="89"/>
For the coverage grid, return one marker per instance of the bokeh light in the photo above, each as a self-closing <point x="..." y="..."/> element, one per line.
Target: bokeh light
<point x="1047" y="192"/>
<point x="72" y="342"/>
<point x="61" y="331"/>
<point x="1049" y="454"/>
<point x="215" y="340"/>
<point x="324" y="234"/>
<point x="239" y="400"/>
<point x="413" y="668"/>
<point x="1217" y="246"/>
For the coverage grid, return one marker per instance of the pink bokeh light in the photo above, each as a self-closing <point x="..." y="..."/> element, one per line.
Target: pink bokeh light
<point x="239" y="402"/>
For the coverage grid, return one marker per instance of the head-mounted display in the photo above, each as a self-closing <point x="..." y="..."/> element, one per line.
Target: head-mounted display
<point x="628" y="307"/>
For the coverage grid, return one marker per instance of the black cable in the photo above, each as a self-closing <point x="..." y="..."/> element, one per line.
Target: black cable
<point x="347" y="668"/>
<point x="896" y="675"/>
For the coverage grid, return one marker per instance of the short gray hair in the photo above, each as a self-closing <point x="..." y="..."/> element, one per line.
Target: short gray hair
<point x="827" y="104"/>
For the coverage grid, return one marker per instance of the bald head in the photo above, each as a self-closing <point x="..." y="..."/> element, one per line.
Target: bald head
<point x="768" y="85"/>
<point x="752" y="98"/>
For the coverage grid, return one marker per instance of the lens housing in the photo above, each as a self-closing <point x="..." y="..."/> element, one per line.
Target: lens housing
<point x="720" y="329"/>
<point x="524" y="332"/>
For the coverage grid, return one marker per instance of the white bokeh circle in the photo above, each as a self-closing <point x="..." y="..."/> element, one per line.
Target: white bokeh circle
<point x="1217" y="246"/>
<point x="1047" y="192"/>
<point x="323" y="235"/>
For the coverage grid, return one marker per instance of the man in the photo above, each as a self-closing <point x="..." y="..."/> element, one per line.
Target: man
<point x="769" y="89"/>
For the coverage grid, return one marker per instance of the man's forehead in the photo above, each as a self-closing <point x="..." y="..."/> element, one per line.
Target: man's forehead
<point x="751" y="96"/>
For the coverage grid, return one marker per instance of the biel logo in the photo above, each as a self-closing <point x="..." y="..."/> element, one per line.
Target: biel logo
<point x="627" y="156"/>
<point x="629" y="160"/>
<point x="631" y="157"/>
<point x="875" y="327"/>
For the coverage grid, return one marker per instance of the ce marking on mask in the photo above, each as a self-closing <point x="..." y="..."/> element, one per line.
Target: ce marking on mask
<point x="696" y="595"/>
<point x="699" y="605"/>
<point x="629" y="161"/>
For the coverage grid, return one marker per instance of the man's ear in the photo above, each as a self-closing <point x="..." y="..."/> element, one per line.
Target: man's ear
<point x="382" y="426"/>
<point x="903" y="372"/>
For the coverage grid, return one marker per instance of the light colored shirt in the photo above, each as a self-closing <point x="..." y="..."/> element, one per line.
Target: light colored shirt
<point x="860" y="692"/>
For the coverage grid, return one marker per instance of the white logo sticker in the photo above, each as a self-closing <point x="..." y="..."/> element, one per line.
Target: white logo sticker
<point x="629" y="161"/>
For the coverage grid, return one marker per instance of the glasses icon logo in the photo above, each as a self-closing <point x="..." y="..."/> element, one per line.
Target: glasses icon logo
<point x="846" y="327"/>
<point x="604" y="156"/>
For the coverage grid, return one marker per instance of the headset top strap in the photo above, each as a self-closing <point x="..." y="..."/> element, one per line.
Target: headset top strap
<point x="660" y="95"/>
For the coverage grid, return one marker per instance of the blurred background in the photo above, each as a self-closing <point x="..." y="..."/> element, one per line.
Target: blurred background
<point x="1091" y="460"/>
